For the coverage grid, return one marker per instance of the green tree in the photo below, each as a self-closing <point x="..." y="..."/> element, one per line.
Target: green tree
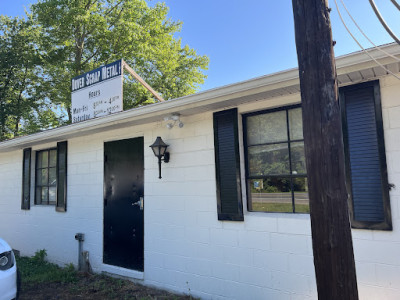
<point x="80" y="35"/>
<point x="23" y="105"/>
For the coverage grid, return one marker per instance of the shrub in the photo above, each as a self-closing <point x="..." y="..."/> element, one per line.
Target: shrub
<point x="36" y="269"/>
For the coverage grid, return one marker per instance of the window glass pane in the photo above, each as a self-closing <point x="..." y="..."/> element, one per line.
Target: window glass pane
<point x="271" y="194"/>
<point x="46" y="177"/>
<point x="45" y="195"/>
<point x="42" y="177"/>
<point x="301" y="198"/>
<point x="295" y="124"/>
<point x="52" y="195"/>
<point x="52" y="176"/>
<point x="269" y="160"/>
<point x="53" y="158"/>
<point x="45" y="159"/>
<point x="267" y="128"/>
<point x="298" y="158"/>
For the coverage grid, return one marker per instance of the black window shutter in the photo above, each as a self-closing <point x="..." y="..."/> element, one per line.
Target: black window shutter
<point x="227" y="165"/>
<point x="26" y="179"/>
<point x="366" y="168"/>
<point x="61" y="176"/>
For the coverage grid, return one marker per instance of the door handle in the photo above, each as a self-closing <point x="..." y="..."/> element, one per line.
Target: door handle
<point x="139" y="203"/>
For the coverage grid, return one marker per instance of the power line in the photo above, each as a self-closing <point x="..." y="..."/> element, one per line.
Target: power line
<point x="362" y="32"/>
<point x="378" y="14"/>
<point x="396" y="4"/>
<point x="358" y="43"/>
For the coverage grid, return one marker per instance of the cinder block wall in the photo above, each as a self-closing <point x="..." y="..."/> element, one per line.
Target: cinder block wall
<point x="268" y="256"/>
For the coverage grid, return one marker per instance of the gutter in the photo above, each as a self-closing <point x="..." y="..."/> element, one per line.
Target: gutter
<point x="150" y="113"/>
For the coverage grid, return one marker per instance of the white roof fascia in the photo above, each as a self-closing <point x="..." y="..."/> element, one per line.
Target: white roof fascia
<point x="344" y="64"/>
<point x="360" y="60"/>
<point x="242" y="89"/>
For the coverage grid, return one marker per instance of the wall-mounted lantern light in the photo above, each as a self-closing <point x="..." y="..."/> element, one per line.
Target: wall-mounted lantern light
<point x="160" y="150"/>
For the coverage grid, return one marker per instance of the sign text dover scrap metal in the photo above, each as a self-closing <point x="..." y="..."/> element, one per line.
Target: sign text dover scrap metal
<point x="97" y="75"/>
<point x="97" y="93"/>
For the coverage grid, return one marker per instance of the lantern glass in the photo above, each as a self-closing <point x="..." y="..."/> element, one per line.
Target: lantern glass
<point x="162" y="150"/>
<point x="156" y="151"/>
<point x="159" y="147"/>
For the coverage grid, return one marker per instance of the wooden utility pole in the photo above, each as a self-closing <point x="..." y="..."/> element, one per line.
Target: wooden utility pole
<point x="330" y="225"/>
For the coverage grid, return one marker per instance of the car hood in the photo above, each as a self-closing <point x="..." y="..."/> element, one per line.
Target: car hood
<point x="4" y="246"/>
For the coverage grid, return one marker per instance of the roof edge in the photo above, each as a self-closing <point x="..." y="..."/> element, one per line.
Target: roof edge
<point x="284" y="78"/>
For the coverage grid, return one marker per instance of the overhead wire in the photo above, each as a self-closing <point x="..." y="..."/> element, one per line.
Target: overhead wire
<point x="362" y="32"/>
<point x="380" y="18"/>
<point x="358" y="43"/>
<point x="396" y="4"/>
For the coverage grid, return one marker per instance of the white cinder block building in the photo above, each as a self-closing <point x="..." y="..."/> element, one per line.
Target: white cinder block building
<point x="229" y="218"/>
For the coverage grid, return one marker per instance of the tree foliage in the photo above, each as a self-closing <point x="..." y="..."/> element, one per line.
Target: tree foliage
<point x="23" y="104"/>
<point x="60" y="39"/>
<point x="80" y="35"/>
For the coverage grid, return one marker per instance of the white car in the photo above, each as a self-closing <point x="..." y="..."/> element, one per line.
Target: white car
<point x="8" y="272"/>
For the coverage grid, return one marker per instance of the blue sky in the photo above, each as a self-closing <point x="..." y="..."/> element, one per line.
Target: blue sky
<point x="247" y="39"/>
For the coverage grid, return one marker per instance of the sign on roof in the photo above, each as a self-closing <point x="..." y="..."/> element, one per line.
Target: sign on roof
<point x="97" y="93"/>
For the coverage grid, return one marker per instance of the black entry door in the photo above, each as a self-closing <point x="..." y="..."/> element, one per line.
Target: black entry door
<point x="123" y="203"/>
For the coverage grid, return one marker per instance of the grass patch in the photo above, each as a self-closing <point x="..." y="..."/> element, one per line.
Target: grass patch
<point x="43" y="280"/>
<point x="36" y="269"/>
<point x="280" y="207"/>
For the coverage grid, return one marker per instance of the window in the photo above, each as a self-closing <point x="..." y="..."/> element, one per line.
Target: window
<point x="364" y="146"/>
<point x="275" y="164"/>
<point x="46" y="177"/>
<point x="50" y="177"/>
